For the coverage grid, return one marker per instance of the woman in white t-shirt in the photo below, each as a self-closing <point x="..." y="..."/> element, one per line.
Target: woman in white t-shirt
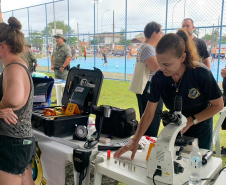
<point x="146" y="66"/>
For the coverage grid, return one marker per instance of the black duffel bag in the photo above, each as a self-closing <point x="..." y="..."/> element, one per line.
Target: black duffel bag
<point x="121" y="123"/>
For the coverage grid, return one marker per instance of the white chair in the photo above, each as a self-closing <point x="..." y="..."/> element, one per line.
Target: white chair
<point x="216" y="132"/>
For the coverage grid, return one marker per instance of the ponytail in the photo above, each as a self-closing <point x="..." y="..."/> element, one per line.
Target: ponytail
<point x="192" y="56"/>
<point x="178" y="44"/>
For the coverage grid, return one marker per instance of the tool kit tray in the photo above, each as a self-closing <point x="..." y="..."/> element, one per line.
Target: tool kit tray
<point x="83" y="88"/>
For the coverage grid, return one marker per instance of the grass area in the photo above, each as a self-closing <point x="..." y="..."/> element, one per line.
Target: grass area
<point x="116" y="93"/>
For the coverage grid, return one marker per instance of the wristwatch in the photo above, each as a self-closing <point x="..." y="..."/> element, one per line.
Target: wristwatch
<point x="195" y="121"/>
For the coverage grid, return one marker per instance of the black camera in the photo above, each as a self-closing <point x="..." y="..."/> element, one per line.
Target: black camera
<point x="169" y="117"/>
<point x="172" y="117"/>
<point x="104" y="111"/>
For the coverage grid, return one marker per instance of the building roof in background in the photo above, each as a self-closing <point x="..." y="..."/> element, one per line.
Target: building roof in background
<point x="106" y="34"/>
<point x="83" y="43"/>
<point x="137" y="40"/>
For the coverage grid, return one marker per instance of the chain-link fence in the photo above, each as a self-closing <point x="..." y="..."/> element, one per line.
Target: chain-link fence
<point x="115" y="27"/>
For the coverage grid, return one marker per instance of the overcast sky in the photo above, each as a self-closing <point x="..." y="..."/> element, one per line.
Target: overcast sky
<point x="139" y="13"/>
<point x="17" y="4"/>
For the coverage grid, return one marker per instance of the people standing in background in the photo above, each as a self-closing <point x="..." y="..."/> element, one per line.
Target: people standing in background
<point x="145" y="67"/>
<point x="129" y="54"/>
<point x="73" y="53"/>
<point x="61" y="58"/>
<point x="30" y="58"/>
<point x="110" y="53"/>
<point x="213" y="54"/>
<point x="188" y="25"/>
<point x="17" y="142"/>
<point x="102" y="54"/>
<point x="49" y="50"/>
<point x="223" y="75"/>
<point x="223" y="72"/>
<point x="105" y="58"/>
<point x="85" y="54"/>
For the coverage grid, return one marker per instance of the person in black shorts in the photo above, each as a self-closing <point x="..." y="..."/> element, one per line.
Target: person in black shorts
<point x="17" y="143"/>
<point x="105" y="58"/>
<point x="213" y="54"/>
<point x="181" y="74"/>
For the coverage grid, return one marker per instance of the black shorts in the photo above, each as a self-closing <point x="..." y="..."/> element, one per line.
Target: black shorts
<point x="105" y="59"/>
<point x="16" y="154"/>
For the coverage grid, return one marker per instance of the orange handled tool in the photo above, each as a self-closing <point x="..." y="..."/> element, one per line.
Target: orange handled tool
<point x="149" y="150"/>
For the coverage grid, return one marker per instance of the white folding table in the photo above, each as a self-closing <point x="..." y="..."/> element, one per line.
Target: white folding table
<point x="57" y="159"/>
<point x="134" y="172"/>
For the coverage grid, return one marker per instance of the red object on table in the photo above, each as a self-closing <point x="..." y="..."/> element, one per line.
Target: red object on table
<point x="150" y="139"/>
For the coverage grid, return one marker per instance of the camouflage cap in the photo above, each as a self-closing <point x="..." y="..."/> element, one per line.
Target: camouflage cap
<point x="60" y="36"/>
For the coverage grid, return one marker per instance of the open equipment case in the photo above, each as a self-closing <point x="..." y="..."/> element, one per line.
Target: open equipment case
<point x="42" y="91"/>
<point x="83" y="88"/>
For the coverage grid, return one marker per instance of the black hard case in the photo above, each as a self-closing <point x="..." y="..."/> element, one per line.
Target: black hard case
<point x="87" y="84"/>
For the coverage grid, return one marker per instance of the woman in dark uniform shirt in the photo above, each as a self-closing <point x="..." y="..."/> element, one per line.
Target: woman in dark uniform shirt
<point x="181" y="74"/>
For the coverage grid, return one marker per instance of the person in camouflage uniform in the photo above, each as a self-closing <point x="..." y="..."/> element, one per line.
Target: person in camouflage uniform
<point x="30" y="58"/>
<point x="61" y="58"/>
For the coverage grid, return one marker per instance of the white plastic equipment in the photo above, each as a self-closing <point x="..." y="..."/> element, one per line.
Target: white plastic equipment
<point x="216" y="132"/>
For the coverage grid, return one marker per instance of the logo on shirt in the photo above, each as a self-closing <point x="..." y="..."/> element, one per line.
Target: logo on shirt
<point x="193" y="93"/>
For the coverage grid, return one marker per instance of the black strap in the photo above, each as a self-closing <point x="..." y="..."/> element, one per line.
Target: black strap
<point x="193" y="117"/>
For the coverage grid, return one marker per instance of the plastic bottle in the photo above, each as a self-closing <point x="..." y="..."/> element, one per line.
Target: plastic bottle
<point x="195" y="162"/>
<point x="91" y="126"/>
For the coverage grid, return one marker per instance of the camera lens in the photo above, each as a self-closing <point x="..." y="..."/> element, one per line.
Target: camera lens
<point x="174" y="118"/>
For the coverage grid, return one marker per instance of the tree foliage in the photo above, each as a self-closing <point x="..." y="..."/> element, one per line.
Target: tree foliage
<point x="196" y="32"/>
<point x="91" y="42"/>
<point x="213" y="37"/>
<point x="73" y="40"/>
<point x="122" y="39"/>
<point x="59" y="25"/>
<point x="36" y="39"/>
